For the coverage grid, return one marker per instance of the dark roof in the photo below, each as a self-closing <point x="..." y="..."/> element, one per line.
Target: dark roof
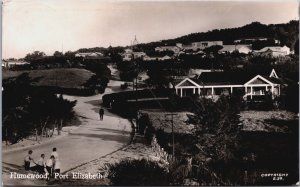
<point x="275" y="80"/>
<point x="231" y="78"/>
<point x="221" y="78"/>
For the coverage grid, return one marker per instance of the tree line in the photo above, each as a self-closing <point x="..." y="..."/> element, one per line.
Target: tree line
<point x="29" y="111"/>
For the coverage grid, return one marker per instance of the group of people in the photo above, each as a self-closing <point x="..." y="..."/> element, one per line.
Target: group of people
<point x="42" y="165"/>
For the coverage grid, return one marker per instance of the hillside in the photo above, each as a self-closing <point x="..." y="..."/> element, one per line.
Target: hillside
<point x="286" y="33"/>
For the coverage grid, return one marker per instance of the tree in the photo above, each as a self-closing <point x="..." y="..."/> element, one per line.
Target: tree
<point x="57" y="54"/>
<point x="70" y="54"/>
<point x="217" y="130"/>
<point x="296" y="48"/>
<point x="213" y="49"/>
<point x="28" y="110"/>
<point x="138" y="173"/>
<point x="34" y="56"/>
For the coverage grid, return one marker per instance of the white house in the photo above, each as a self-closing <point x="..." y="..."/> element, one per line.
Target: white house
<point x="274" y="51"/>
<point x="213" y="84"/>
<point x="195" y="46"/>
<point x="158" y="58"/>
<point x="129" y="55"/>
<point x="13" y="63"/>
<point x="205" y="44"/>
<point x="90" y="55"/>
<point x="245" y="49"/>
<point x="175" y="49"/>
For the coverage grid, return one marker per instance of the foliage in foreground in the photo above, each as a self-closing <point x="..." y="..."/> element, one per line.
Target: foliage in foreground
<point x="27" y="111"/>
<point x="138" y="173"/>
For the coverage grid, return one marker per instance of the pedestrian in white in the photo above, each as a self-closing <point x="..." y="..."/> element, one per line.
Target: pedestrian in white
<point x="54" y="153"/>
<point x="57" y="166"/>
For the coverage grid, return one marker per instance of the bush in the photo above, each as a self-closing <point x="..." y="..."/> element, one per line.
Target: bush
<point x="138" y="173"/>
<point x="146" y="93"/>
<point x="124" y="86"/>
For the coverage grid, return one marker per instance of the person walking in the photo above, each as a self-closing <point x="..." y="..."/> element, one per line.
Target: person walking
<point x="27" y="160"/>
<point x="101" y="113"/>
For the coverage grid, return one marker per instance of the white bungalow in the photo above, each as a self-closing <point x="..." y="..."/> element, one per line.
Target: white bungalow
<point x="274" y="51"/>
<point x="212" y="84"/>
<point x="13" y="63"/>
<point x="241" y="48"/>
<point x="175" y="49"/>
<point x="129" y="55"/>
<point x="90" y="55"/>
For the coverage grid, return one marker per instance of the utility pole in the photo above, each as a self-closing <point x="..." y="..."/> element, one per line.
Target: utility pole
<point x="173" y="139"/>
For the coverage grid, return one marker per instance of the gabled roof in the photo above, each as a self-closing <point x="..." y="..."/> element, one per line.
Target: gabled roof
<point x="232" y="78"/>
<point x="260" y="79"/>
<point x="273" y="48"/>
<point x="235" y="47"/>
<point x="192" y="82"/>
<point x="222" y="78"/>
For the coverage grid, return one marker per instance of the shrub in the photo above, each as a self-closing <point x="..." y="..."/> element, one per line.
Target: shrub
<point x="124" y="86"/>
<point x="138" y="173"/>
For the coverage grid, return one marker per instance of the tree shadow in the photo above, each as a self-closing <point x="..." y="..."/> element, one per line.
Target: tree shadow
<point x="112" y="130"/>
<point x="96" y="102"/>
<point x="106" y="137"/>
<point x="7" y="167"/>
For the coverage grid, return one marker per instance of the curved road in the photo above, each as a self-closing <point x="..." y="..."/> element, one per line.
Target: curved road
<point x="91" y="140"/>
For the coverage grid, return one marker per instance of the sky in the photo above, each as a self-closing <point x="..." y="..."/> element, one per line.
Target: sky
<point x="62" y="25"/>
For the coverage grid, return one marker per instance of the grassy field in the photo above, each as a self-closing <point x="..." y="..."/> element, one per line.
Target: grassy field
<point x="63" y="77"/>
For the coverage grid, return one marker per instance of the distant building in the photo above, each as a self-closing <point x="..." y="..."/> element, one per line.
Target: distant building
<point x="130" y="55"/>
<point x="158" y="58"/>
<point x="13" y="63"/>
<point x="91" y="55"/>
<point x="175" y="49"/>
<point x="274" y="51"/>
<point x="251" y="40"/>
<point x="204" y="44"/>
<point x="195" y="46"/>
<point x="245" y="49"/>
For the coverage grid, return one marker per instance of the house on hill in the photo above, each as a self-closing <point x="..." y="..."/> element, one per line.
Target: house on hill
<point x="213" y="84"/>
<point x="158" y="58"/>
<point x="245" y="49"/>
<point x="6" y="64"/>
<point x="274" y="51"/>
<point x="91" y="55"/>
<point x="195" y="46"/>
<point x="205" y="44"/>
<point x="255" y="39"/>
<point x="176" y="49"/>
<point x="130" y="55"/>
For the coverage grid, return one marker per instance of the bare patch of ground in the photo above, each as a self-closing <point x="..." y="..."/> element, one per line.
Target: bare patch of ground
<point x="268" y="121"/>
<point x="161" y="120"/>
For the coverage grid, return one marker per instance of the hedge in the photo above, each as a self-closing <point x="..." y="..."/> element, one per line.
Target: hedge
<point x="131" y="95"/>
<point x="67" y="91"/>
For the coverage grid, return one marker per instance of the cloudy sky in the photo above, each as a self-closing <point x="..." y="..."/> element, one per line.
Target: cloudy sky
<point x="49" y="25"/>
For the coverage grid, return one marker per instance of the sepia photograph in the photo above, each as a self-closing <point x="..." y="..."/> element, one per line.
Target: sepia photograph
<point x="150" y="93"/>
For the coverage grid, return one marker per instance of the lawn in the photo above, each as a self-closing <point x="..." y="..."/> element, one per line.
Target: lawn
<point x="63" y="77"/>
